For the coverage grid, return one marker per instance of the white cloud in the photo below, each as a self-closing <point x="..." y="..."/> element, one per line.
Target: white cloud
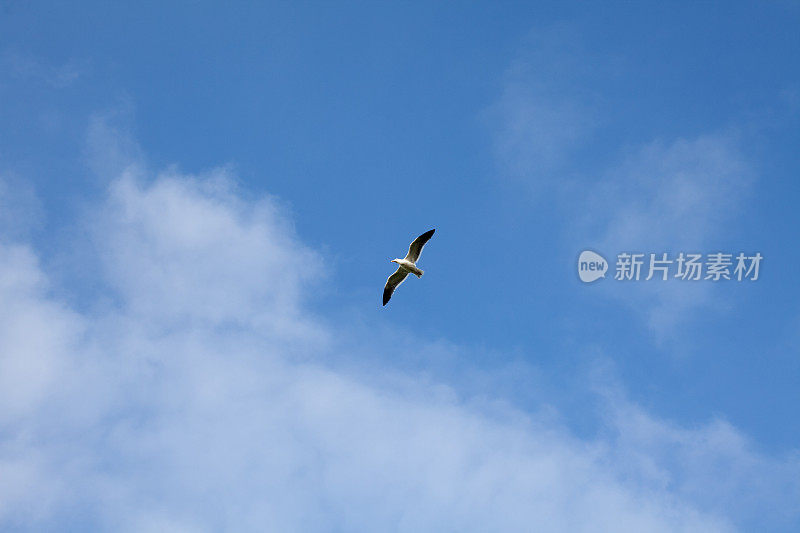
<point x="202" y="400"/>
<point x="188" y="249"/>
<point x="31" y="362"/>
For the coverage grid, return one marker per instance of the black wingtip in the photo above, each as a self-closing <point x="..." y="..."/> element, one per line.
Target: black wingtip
<point x="425" y="237"/>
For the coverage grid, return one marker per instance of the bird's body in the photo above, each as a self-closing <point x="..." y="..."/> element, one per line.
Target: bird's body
<point x="406" y="265"/>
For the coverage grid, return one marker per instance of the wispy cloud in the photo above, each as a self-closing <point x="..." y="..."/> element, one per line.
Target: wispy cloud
<point x="21" y="211"/>
<point x="538" y="131"/>
<point x="689" y="461"/>
<point x="28" y="67"/>
<point x="668" y="197"/>
<point x="651" y="196"/>
<point x="676" y="194"/>
<point x="110" y="148"/>
<point x="543" y="113"/>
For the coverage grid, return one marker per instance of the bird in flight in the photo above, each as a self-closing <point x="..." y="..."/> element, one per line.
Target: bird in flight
<point x="406" y="265"/>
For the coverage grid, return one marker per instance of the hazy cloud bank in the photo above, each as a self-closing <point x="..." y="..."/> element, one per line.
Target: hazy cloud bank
<point x="195" y="396"/>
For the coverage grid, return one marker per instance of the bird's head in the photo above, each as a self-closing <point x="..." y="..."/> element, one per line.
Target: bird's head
<point x="395" y="260"/>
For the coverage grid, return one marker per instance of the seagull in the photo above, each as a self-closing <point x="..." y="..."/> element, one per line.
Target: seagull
<point x="406" y="265"/>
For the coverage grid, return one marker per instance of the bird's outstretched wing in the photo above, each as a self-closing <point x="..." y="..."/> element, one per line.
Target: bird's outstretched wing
<point x="416" y="247"/>
<point x="392" y="283"/>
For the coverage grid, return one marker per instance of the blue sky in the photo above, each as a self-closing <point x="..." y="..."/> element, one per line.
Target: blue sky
<point x="198" y="204"/>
